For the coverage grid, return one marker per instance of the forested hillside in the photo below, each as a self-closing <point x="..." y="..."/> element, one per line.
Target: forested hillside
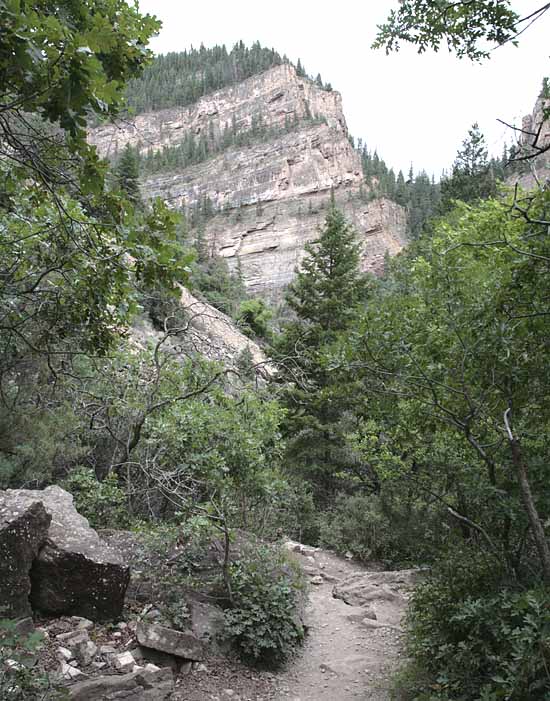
<point x="402" y="420"/>
<point x="179" y="79"/>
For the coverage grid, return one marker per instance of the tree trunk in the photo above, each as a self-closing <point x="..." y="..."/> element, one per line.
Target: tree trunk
<point x="529" y="503"/>
<point x="532" y="513"/>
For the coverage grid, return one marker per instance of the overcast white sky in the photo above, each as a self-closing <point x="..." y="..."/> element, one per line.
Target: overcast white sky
<point x="413" y="109"/>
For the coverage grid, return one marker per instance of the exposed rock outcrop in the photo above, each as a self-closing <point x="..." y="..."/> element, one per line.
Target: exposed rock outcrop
<point x="23" y="528"/>
<point x="380" y="594"/>
<point x="267" y="248"/>
<point x="74" y="571"/>
<point x="270" y="197"/>
<point x="535" y="143"/>
<point x="276" y="94"/>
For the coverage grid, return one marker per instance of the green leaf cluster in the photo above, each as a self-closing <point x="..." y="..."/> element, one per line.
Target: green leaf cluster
<point x="264" y="619"/>
<point x="464" y="26"/>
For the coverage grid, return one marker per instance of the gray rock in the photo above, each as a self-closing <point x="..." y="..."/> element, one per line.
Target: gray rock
<point x="124" y="662"/>
<point x="329" y="578"/>
<point x="186" y="668"/>
<point x="160" y="659"/>
<point x="64" y="654"/>
<point x="173" y="642"/>
<point x="85" y="652"/>
<point x="308" y="551"/>
<point x="69" y="672"/>
<point x="365" y="587"/>
<point x="75" y="572"/>
<point x="208" y="623"/>
<point x="370" y="613"/>
<point x="23" y="529"/>
<point x="83" y="623"/>
<point x="75" y="636"/>
<point x="144" y="685"/>
<point x="79" y="637"/>
<point x="107" y="650"/>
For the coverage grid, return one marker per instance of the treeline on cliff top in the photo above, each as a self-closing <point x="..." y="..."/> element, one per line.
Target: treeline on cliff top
<point x="177" y="79"/>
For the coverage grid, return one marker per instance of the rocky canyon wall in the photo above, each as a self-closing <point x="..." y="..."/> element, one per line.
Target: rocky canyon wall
<point x="269" y="197"/>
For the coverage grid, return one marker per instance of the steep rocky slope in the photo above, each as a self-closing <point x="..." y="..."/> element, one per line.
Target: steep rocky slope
<point x="208" y="332"/>
<point x="268" y="197"/>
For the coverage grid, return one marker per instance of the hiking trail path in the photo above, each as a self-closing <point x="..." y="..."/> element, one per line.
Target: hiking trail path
<point x="355" y="639"/>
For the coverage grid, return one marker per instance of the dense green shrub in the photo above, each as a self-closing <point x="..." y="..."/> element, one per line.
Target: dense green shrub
<point x="103" y="503"/>
<point x="470" y="640"/>
<point x="357" y="524"/>
<point x="374" y="527"/>
<point x="264" y="621"/>
<point x="254" y="316"/>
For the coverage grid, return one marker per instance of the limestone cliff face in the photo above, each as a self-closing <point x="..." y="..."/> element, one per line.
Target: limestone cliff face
<point x="267" y="242"/>
<point x="269" y="198"/>
<point x="300" y="163"/>
<point x="277" y="94"/>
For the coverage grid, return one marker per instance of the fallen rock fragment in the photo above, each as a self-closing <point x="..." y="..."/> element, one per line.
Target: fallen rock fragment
<point x="84" y="650"/>
<point x="208" y="624"/>
<point x="124" y="662"/>
<point x="174" y="642"/>
<point x="147" y="684"/>
<point x="69" y="672"/>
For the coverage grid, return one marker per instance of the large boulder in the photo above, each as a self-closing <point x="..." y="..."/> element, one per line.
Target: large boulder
<point x="75" y="572"/>
<point x="174" y="642"/>
<point x="23" y="528"/>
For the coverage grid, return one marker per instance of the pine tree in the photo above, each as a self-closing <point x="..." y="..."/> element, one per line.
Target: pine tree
<point x="325" y="297"/>
<point x="471" y="178"/>
<point x="401" y="195"/>
<point x="329" y="285"/>
<point x="300" y="71"/>
<point x="126" y="174"/>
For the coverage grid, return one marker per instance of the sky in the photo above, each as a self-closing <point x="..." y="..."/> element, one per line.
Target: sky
<point x="413" y="109"/>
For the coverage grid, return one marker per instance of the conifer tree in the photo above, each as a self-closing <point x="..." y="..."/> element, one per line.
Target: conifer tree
<point x="127" y="174"/>
<point x="325" y="297"/>
<point x="329" y="285"/>
<point x="471" y="178"/>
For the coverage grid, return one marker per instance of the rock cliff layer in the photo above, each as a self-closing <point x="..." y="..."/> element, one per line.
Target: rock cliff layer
<point x="269" y="198"/>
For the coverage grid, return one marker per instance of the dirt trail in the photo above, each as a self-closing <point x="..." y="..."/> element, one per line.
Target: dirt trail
<point x="352" y="651"/>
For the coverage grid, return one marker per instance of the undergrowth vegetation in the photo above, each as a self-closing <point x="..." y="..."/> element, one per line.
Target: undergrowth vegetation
<point x="405" y="419"/>
<point x="268" y="595"/>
